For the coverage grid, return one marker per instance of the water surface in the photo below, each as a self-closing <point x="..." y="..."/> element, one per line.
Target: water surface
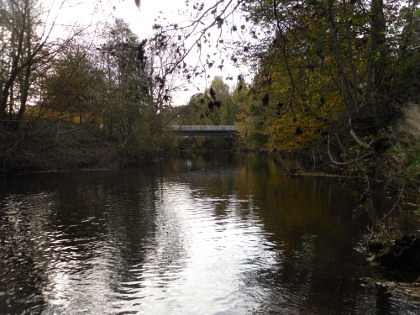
<point x="193" y="235"/>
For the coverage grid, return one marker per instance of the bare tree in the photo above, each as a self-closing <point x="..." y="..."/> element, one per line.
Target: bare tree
<point x="26" y="45"/>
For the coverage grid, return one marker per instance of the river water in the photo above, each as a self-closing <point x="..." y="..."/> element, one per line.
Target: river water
<point x="192" y="235"/>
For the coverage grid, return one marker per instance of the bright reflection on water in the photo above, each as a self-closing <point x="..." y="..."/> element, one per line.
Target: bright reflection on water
<point x="191" y="236"/>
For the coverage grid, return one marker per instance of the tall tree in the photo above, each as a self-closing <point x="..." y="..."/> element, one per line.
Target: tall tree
<point x="227" y="108"/>
<point x="74" y="87"/>
<point x="325" y="57"/>
<point x="129" y="88"/>
<point x="19" y="53"/>
<point x="25" y="54"/>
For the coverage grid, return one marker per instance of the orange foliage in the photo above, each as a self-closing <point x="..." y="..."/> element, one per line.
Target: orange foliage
<point x="53" y="114"/>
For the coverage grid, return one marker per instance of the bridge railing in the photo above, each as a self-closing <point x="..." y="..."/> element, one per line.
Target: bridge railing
<point x="209" y="128"/>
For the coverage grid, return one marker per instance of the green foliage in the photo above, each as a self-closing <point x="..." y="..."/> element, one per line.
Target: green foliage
<point x="75" y="87"/>
<point x="128" y="81"/>
<point x="111" y="87"/>
<point x="409" y="141"/>
<point x="326" y="66"/>
<point x="212" y="107"/>
<point x="413" y="163"/>
<point x="227" y="109"/>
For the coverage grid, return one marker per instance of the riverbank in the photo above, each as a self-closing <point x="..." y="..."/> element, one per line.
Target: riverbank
<point x="388" y="190"/>
<point x="48" y="146"/>
<point x="44" y="149"/>
<point x="43" y="146"/>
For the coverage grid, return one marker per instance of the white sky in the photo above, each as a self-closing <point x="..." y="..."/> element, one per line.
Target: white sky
<point x="141" y="20"/>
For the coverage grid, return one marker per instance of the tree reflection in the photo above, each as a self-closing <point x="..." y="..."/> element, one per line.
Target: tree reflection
<point x="227" y="234"/>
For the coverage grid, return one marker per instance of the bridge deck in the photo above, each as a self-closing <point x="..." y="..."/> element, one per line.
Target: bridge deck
<point x="204" y="130"/>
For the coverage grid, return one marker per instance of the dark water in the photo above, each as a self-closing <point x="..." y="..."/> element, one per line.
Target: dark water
<point x="189" y="236"/>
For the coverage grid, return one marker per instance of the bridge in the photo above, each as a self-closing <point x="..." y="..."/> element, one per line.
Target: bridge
<point x="204" y="130"/>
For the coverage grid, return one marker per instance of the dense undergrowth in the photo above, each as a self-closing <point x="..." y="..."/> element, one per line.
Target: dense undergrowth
<point x="45" y="146"/>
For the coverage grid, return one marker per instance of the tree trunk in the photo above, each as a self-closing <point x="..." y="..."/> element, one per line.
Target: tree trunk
<point x="25" y="85"/>
<point x="377" y="64"/>
<point x="17" y="34"/>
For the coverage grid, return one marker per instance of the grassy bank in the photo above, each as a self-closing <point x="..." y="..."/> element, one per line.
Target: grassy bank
<point x="44" y="145"/>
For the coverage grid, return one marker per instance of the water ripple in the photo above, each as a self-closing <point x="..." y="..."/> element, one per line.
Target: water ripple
<point x="200" y="242"/>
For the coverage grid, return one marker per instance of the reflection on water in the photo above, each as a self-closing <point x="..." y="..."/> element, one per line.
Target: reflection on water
<point x="192" y="236"/>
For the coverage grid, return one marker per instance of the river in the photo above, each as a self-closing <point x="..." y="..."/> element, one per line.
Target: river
<point x="193" y="235"/>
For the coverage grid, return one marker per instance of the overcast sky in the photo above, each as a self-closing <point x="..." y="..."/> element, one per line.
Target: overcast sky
<point x="141" y="20"/>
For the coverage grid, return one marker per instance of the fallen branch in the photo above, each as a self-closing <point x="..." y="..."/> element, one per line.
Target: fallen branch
<point x="357" y="139"/>
<point x="346" y="162"/>
<point x="360" y="141"/>
<point x="315" y="174"/>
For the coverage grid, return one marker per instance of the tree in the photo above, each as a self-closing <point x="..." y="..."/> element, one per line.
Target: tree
<point x="19" y="53"/>
<point x="227" y="108"/>
<point x="139" y="79"/>
<point x="214" y="106"/>
<point x="75" y="88"/>
<point x="323" y="61"/>
<point x="25" y="54"/>
<point x="129" y="87"/>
